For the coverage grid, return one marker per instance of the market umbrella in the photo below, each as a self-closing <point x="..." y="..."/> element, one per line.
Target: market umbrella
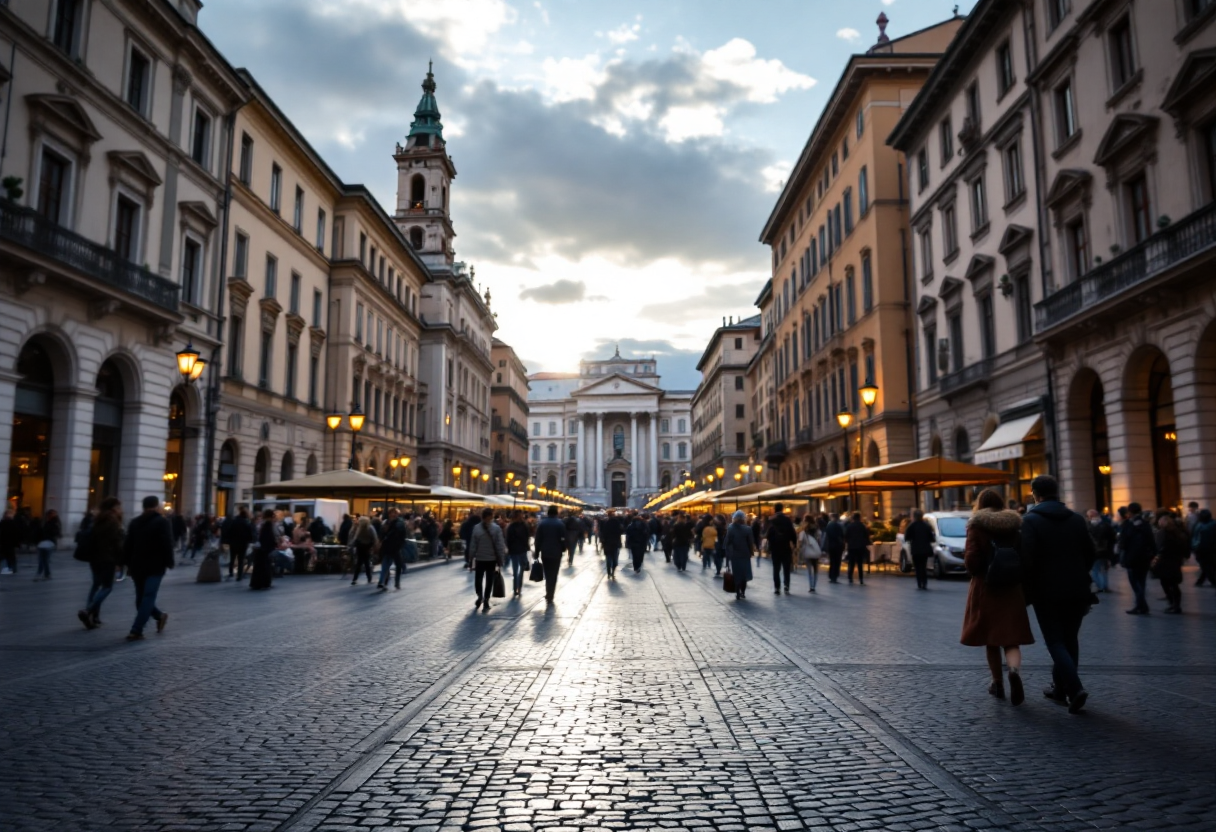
<point x="733" y="496"/>
<point x="341" y="483"/>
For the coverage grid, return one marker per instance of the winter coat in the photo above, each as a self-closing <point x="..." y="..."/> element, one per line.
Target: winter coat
<point x="739" y="547"/>
<point x="344" y="530"/>
<point x="920" y="538"/>
<point x="148" y="549"/>
<point x="1174" y="549"/>
<point x="833" y="537"/>
<point x="993" y="618"/>
<point x="1103" y="537"/>
<point x="106" y="540"/>
<point x="709" y="537"/>
<point x="1136" y="544"/>
<point x="237" y="533"/>
<point x="1057" y="556"/>
<point x="517" y="538"/>
<point x="610" y="533"/>
<point x="637" y="535"/>
<point x="487" y="543"/>
<point x="550" y="538"/>
<point x="393" y="540"/>
<point x="681" y="534"/>
<point x="856" y="536"/>
<point x="781" y="536"/>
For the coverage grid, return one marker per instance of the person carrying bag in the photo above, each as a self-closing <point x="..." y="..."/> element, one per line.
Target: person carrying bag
<point x="808" y="549"/>
<point x="488" y="551"/>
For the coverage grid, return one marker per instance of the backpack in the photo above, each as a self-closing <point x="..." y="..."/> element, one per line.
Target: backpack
<point x="1004" y="566"/>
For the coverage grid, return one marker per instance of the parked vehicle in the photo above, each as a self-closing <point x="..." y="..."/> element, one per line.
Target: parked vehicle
<point x="950" y="528"/>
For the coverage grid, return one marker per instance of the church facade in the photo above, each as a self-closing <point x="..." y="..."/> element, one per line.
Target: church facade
<point x="609" y="434"/>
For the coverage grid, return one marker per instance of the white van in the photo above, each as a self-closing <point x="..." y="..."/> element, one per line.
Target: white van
<point x="329" y="510"/>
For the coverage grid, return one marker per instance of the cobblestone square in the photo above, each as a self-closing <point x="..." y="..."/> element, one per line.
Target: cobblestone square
<point x="652" y="702"/>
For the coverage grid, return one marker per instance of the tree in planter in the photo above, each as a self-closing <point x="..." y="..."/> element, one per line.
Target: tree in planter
<point x="12" y="187"/>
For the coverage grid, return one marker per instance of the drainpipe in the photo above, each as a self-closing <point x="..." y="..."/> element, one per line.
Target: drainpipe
<point x="212" y="402"/>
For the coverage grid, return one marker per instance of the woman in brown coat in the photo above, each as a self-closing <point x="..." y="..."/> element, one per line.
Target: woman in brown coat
<point x="995" y="620"/>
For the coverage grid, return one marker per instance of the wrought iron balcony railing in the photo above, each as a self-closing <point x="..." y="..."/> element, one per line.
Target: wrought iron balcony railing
<point x="969" y="376"/>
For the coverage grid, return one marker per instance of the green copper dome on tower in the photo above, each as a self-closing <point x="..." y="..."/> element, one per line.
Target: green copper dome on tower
<point x="426" y="117"/>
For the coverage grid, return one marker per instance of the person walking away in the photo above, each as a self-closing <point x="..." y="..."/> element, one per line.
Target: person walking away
<point x="574" y="530"/>
<point x="148" y="551"/>
<point x="833" y="544"/>
<point x="740" y="544"/>
<point x="781" y="539"/>
<point x="709" y="542"/>
<point x="1057" y="556"/>
<point x="10" y="539"/>
<point x="1137" y="548"/>
<point x="550" y="543"/>
<point x="200" y="536"/>
<point x="1203" y="544"/>
<point x="363" y="541"/>
<point x="857" y="541"/>
<point x="665" y="539"/>
<point x="995" y="616"/>
<point x="808" y="549"/>
<point x="466" y="537"/>
<point x="344" y="529"/>
<point x="488" y="551"/>
<point x="681" y="539"/>
<point x="610" y="541"/>
<point x="1192" y="517"/>
<point x="261" y="573"/>
<point x="656" y="530"/>
<point x="317" y="530"/>
<point x="105" y="550"/>
<point x="237" y="534"/>
<point x="1175" y="548"/>
<point x="920" y="537"/>
<point x="48" y="541"/>
<point x="392" y="547"/>
<point x="1103" y="537"/>
<point x="637" y="539"/>
<point x="517" y="550"/>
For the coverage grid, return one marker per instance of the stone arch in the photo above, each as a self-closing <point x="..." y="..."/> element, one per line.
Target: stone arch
<point x="835" y="464"/>
<point x="991" y="423"/>
<point x="417" y="191"/>
<point x="1149" y="436"/>
<point x="417" y="237"/>
<point x="823" y="465"/>
<point x="287" y="468"/>
<point x="1196" y="416"/>
<point x="310" y="467"/>
<point x="371" y="466"/>
<point x="1086" y="441"/>
<point x="935" y="445"/>
<point x="261" y="466"/>
<point x="873" y="457"/>
<point x="60" y="351"/>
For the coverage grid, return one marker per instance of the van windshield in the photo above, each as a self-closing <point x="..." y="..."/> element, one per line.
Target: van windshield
<point x="952" y="526"/>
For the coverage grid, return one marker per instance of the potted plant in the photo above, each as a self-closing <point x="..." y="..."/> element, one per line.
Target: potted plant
<point x="12" y="187"/>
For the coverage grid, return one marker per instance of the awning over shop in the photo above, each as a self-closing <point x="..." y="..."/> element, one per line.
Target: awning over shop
<point x="741" y="493"/>
<point x="927" y="472"/>
<point x="688" y="500"/>
<point x="817" y="487"/>
<point x="1008" y="441"/>
<point x="343" y="483"/>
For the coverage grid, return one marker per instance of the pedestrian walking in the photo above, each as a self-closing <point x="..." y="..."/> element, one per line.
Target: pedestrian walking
<point x="10" y="539"/>
<point x="610" y="541"/>
<point x="995" y="616"/>
<point x="180" y="530"/>
<point x="809" y="551"/>
<point x="637" y="539"/>
<point x="488" y="551"/>
<point x="261" y="573"/>
<point x="1203" y="544"/>
<point x="1057" y="556"/>
<point x="1103" y="537"/>
<point x="740" y="544"/>
<point x="550" y="543"/>
<point x="364" y="541"/>
<point x="1173" y="549"/>
<point x="857" y="542"/>
<point x="237" y="533"/>
<point x="781" y="539"/>
<point x="1137" y="547"/>
<point x="709" y="542"/>
<point x="920" y="537"/>
<point x="104" y="546"/>
<point x="833" y="544"/>
<point x="466" y="537"/>
<point x="517" y="550"/>
<point x="392" y="547"/>
<point x="665" y="539"/>
<point x="681" y="540"/>
<point x="48" y="541"/>
<point x="655" y="527"/>
<point x="148" y="551"/>
<point x="574" y="530"/>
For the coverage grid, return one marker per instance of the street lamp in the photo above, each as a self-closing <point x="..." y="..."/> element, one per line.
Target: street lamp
<point x="189" y="364"/>
<point x="474" y="476"/>
<point x="355" y="419"/>
<point x="334" y="421"/>
<point x="456" y="469"/>
<point x="844" y="418"/>
<point x="719" y="471"/>
<point x="869" y="395"/>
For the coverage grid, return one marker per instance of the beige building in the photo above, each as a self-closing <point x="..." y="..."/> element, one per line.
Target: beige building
<point x="117" y="118"/>
<point x="722" y="403"/>
<point x="508" y="417"/>
<point x="841" y="293"/>
<point x="981" y="388"/>
<point x="760" y="386"/>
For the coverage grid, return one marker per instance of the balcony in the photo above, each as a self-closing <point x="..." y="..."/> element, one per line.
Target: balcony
<point x="803" y="438"/>
<point x="28" y="228"/>
<point x="974" y="375"/>
<point x="776" y="453"/>
<point x="1139" y="265"/>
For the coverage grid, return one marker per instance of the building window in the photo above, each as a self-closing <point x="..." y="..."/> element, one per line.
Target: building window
<point x="863" y="193"/>
<point x="553" y="428"/>
<point x="139" y="76"/>
<point x="738" y="382"/>
<point x="979" y="204"/>
<point x="867" y="283"/>
<point x="1138" y="209"/>
<point x="276" y="188"/>
<point x="1066" y="113"/>
<point x="1015" y="185"/>
<point x="246" y="159"/>
<point x="664" y="426"/>
<point x="126" y="229"/>
<point x="931" y="353"/>
<point x="922" y="170"/>
<point x="987" y="326"/>
<point x="1056" y="11"/>
<point x="848" y="210"/>
<point x="1004" y="68"/>
<point x="297" y="218"/>
<point x="666" y="450"/>
<point x="294" y="301"/>
<point x="956" y="341"/>
<point x="272" y="276"/>
<point x="572" y="452"/>
<point x="835" y="165"/>
<point x="682" y="426"/>
<point x="850" y="297"/>
<point x="200" y="146"/>
<point x="317" y="303"/>
<point x="536" y="428"/>
<point x="536" y="453"/>
<point x="861" y="122"/>
<point x="359" y="325"/>
<point x="972" y="120"/>
<point x="572" y="427"/>
<point x="949" y="231"/>
<point x="53" y="186"/>
<point x="192" y="270"/>
<point x="240" y="256"/>
<point x="66" y="33"/>
<point x="321" y="229"/>
<point x="264" y="360"/>
<point x="293" y="352"/>
<point x="553" y="453"/>
<point x="1122" y="57"/>
<point x="1078" y="247"/>
<point x="739" y="410"/>
<point x="362" y="248"/>
<point x="740" y="443"/>
<point x="946" y="137"/>
<point x="682" y="450"/>
<point x="1021" y="297"/>
<point x="236" y="348"/>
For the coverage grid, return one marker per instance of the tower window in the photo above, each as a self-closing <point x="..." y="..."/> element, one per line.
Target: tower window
<point x="416" y="238"/>
<point x="417" y="191"/>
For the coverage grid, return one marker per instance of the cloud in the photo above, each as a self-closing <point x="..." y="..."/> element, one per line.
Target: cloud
<point x="624" y="33"/>
<point x="735" y="298"/>
<point x="465" y="28"/>
<point x="677" y="367"/>
<point x="560" y="291"/>
<point x="851" y="35"/>
<point x="544" y="13"/>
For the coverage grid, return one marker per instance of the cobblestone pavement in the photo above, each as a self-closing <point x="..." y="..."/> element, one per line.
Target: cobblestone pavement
<point x="651" y="702"/>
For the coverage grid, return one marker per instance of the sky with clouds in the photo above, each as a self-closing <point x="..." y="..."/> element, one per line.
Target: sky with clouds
<point x="616" y="161"/>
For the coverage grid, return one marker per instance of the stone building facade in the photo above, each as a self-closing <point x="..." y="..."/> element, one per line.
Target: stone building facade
<point x="722" y="403"/>
<point x="508" y="418"/>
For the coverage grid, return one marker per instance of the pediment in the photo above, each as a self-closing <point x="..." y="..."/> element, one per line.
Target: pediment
<point x="1066" y="184"/>
<point x="197" y="213"/>
<point x="979" y="264"/>
<point x="137" y="165"/>
<point x="950" y="285"/>
<point x="616" y="384"/>
<point x="1197" y="75"/>
<point x="66" y="113"/>
<point x="1014" y="236"/>
<point x="926" y="306"/>
<point x="1126" y="130"/>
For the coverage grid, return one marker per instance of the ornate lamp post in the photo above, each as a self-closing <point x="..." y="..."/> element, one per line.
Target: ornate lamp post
<point x="334" y="421"/>
<point x="869" y="395"/>
<point x="719" y="472"/>
<point x="456" y="469"/>
<point x="190" y="365"/>
<point x="844" y="418"/>
<point x="355" y="419"/>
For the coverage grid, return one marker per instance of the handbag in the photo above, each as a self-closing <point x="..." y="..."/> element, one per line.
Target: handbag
<point x="500" y="585"/>
<point x="728" y="582"/>
<point x="538" y="572"/>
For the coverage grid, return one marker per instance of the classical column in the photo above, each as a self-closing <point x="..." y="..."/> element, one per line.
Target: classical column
<point x="580" y="454"/>
<point x="654" y="450"/>
<point x="633" y="452"/>
<point x="599" y="451"/>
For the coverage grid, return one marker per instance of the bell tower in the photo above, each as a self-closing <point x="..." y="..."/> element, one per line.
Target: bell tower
<point x="424" y="184"/>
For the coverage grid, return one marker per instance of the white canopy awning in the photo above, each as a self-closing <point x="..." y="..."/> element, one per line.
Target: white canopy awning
<point x="1009" y="440"/>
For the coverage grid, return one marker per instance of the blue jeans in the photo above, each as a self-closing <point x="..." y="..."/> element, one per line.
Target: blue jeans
<point x="519" y="568"/>
<point x="707" y="556"/>
<point x="681" y="557"/>
<point x="610" y="558"/>
<point x="146" y="587"/>
<point x="103" y="584"/>
<point x="1138" y="578"/>
<point x="1098" y="573"/>
<point x="812" y="572"/>
<point x="44" y="560"/>
<point x="385" y="562"/>
<point x="1060" y="628"/>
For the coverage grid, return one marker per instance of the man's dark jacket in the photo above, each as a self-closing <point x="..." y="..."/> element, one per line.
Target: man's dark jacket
<point x="1137" y="543"/>
<point x="393" y="538"/>
<point x="517" y="538"/>
<point x="1057" y="555"/>
<point x="550" y="537"/>
<point x="833" y="537"/>
<point x="237" y="533"/>
<point x="681" y="534"/>
<point x="919" y="537"/>
<point x="637" y="536"/>
<point x="466" y="529"/>
<point x="781" y="536"/>
<point x="148" y="549"/>
<point x="610" y="533"/>
<point x="856" y="535"/>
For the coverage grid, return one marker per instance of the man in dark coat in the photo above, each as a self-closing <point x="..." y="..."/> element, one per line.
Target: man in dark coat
<point x="1137" y="547"/>
<point x="781" y="538"/>
<point x="317" y="530"/>
<point x="148" y="552"/>
<point x="833" y="544"/>
<point x="466" y="535"/>
<point x="681" y="539"/>
<point x="920" y="539"/>
<point x="344" y="529"/>
<point x="10" y="539"/>
<point x="392" y="543"/>
<point x="637" y="538"/>
<point x="656" y="530"/>
<point x="550" y="543"/>
<point x="610" y="539"/>
<point x="574" y="530"/>
<point x="237" y="534"/>
<point x="857" y="542"/>
<point x="1057" y="556"/>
